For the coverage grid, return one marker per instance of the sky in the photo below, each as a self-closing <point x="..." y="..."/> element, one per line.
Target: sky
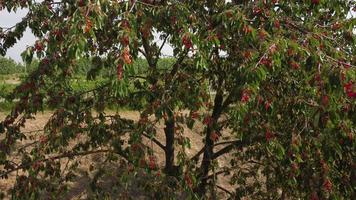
<point x="9" y="19"/>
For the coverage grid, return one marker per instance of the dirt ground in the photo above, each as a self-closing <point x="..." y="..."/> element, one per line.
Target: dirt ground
<point x="79" y="187"/>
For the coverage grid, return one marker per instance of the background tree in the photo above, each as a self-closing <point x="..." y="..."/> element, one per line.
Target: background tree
<point x="9" y="66"/>
<point x="272" y="82"/>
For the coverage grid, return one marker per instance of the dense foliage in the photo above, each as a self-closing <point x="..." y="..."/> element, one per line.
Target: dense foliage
<point x="271" y="84"/>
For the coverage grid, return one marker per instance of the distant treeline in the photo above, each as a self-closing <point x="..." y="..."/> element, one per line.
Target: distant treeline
<point x="81" y="68"/>
<point x="12" y="72"/>
<point x="9" y="66"/>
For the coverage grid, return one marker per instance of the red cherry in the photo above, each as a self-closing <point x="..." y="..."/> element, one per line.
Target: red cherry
<point x="314" y="196"/>
<point x="245" y="97"/>
<point x="325" y="100"/>
<point x="315" y="2"/>
<point x="125" y="24"/>
<point x="346" y="65"/>
<point x="188" y="180"/>
<point x="38" y="46"/>
<point x="229" y="14"/>
<point x="119" y="71"/>
<point x="349" y="89"/>
<point x="194" y="115"/>
<point x="214" y="136"/>
<point x="246" y="119"/>
<point x="43" y="139"/>
<point x="294" y="65"/>
<point x="126" y="56"/>
<point x="277" y="24"/>
<point x="324" y="166"/>
<point x="262" y="34"/>
<point x="336" y="26"/>
<point x="351" y="94"/>
<point x="257" y="10"/>
<point x="145" y="31"/>
<point x="130" y="168"/>
<point x="341" y="141"/>
<point x="290" y="52"/>
<point x="259" y="100"/>
<point x="143" y="162"/>
<point x="88" y="25"/>
<point x="327" y="185"/>
<point x="268" y="135"/>
<point x="81" y="3"/>
<point x="294" y="167"/>
<point x="208" y="121"/>
<point x="187" y="41"/>
<point x="36" y="165"/>
<point x="125" y="40"/>
<point x="348" y="86"/>
<point x="266" y="62"/>
<point x="246" y="29"/>
<point x="273" y="49"/>
<point x="267" y="105"/>
<point x="174" y="20"/>
<point x="247" y="54"/>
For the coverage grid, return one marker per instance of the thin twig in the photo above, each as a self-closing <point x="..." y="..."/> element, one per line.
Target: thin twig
<point x="225" y="142"/>
<point x="225" y="190"/>
<point x="264" y="55"/>
<point x="132" y="7"/>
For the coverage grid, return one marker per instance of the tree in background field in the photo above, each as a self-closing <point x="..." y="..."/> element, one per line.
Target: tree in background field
<point x="271" y="83"/>
<point x="9" y="66"/>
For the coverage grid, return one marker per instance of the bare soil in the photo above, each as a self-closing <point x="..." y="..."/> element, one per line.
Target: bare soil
<point x="78" y="188"/>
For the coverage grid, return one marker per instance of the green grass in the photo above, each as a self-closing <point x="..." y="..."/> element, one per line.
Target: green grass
<point x="78" y="84"/>
<point x="5" y="77"/>
<point x="6" y="106"/>
<point x="6" y="89"/>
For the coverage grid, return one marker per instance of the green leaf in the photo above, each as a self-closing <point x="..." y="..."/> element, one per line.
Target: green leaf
<point x="316" y="119"/>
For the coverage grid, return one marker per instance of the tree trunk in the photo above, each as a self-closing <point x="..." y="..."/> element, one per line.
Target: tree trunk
<point x="169" y="151"/>
<point x="209" y="144"/>
<point x="205" y="165"/>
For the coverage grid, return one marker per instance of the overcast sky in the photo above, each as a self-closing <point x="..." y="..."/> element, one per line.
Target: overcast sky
<point x="10" y="19"/>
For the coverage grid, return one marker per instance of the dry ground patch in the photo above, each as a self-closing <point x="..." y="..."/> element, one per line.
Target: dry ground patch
<point x="79" y="189"/>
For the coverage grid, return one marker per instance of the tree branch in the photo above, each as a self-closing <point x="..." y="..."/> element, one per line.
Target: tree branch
<point x="225" y="190"/>
<point x="65" y="155"/>
<point x="196" y="156"/>
<point x="235" y="144"/>
<point x="178" y="62"/>
<point x="160" y="49"/>
<point x="155" y="141"/>
<point x="147" y="49"/>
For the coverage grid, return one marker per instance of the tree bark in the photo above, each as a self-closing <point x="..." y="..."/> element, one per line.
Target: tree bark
<point x="169" y="150"/>
<point x="209" y="144"/>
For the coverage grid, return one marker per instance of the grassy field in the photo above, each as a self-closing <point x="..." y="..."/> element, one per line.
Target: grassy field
<point x="9" y="82"/>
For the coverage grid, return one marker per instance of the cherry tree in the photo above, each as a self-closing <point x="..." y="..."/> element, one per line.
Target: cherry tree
<point x="269" y="83"/>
